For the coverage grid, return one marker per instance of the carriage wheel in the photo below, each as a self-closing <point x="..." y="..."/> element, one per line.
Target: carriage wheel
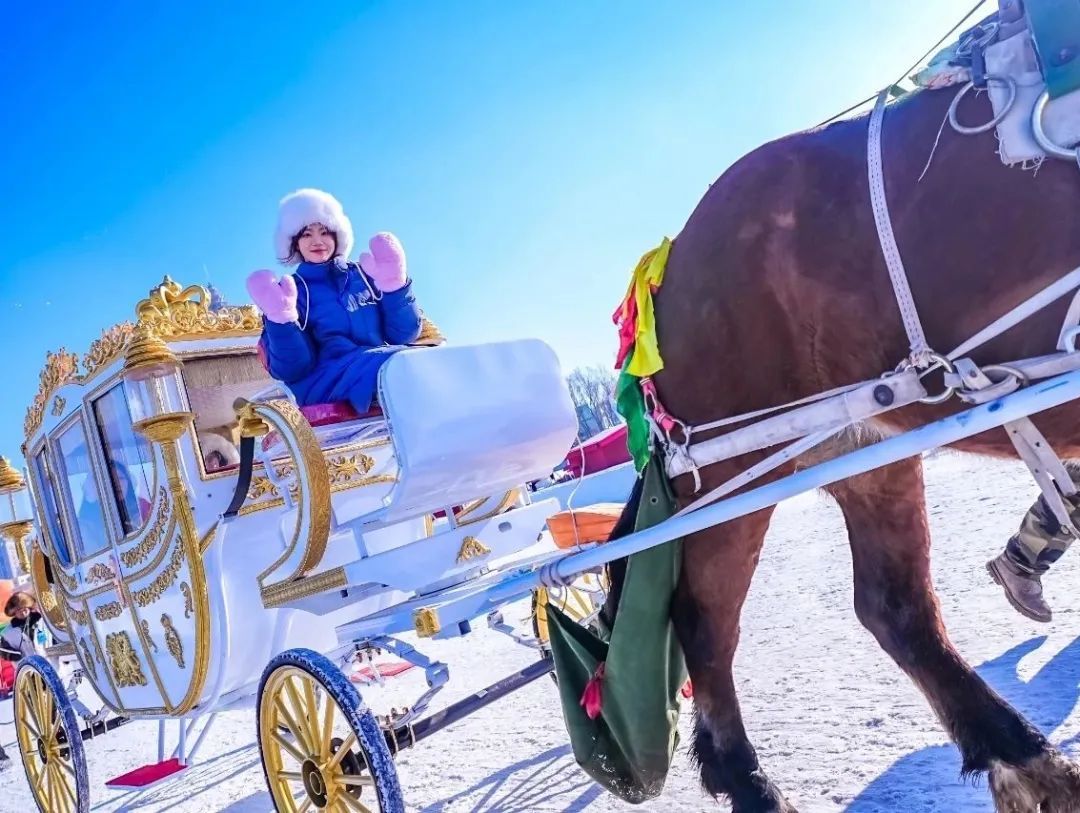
<point x="322" y="750"/>
<point x="581" y="601"/>
<point x="50" y="740"/>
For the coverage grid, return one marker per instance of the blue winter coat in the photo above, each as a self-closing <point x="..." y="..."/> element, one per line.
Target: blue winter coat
<point x="350" y="328"/>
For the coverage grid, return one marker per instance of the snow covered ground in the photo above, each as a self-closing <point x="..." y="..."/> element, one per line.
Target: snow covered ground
<point x="836" y="724"/>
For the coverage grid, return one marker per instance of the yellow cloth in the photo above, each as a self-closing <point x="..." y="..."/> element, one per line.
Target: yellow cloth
<point x="648" y="276"/>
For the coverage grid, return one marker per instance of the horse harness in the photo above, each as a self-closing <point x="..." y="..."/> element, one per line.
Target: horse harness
<point x="811" y="421"/>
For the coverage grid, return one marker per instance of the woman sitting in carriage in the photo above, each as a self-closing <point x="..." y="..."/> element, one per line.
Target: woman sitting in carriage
<point x="329" y="326"/>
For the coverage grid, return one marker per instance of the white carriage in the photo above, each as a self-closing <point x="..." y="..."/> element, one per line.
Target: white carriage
<point x="175" y="564"/>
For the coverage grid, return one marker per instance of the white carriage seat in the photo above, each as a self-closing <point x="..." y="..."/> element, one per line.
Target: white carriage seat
<point x="468" y="421"/>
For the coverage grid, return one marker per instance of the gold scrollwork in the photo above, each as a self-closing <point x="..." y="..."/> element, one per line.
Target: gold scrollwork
<point x="152" y="592"/>
<point x="107" y="348"/>
<point x="174" y="312"/>
<point x="172" y="640"/>
<point x="185" y="589"/>
<point x="345" y="467"/>
<point x="48" y="601"/>
<point x="100" y="572"/>
<point x="313" y="489"/>
<point x="152" y="539"/>
<point x="60" y="368"/>
<point x="108" y="611"/>
<point x="146" y="634"/>
<point x="471" y="548"/>
<point x="126" y="669"/>
<point x="80" y="617"/>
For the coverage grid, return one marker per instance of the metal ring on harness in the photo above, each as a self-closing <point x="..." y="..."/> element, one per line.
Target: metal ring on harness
<point x="1051" y="147"/>
<point x="1006" y="370"/>
<point x="948" y="367"/>
<point x="1008" y="81"/>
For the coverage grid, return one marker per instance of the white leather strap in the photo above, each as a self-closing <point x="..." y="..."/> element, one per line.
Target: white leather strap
<point x="920" y="350"/>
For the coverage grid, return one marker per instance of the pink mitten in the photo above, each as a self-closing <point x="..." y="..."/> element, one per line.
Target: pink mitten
<point x="275" y="298"/>
<point x="386" y="262"/>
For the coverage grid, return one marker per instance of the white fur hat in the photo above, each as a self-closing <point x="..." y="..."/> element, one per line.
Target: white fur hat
<point x="299" y="210"/>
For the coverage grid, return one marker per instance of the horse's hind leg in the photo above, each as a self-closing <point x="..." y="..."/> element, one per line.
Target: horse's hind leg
<point x="885" y="512"/>
<point x="716" y="571"/>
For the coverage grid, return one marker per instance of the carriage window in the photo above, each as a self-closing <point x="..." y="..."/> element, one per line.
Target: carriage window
<point x="82" y="491"/>
<point x="213" y="384"/>
<point x="129" y="460"/>
<point x="49" y="508"/>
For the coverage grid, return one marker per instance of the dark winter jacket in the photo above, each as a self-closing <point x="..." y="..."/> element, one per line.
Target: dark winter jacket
<point x="347" y="331"/>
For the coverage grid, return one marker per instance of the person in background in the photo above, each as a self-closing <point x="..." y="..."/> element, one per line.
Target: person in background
<point x="17" y="641"/>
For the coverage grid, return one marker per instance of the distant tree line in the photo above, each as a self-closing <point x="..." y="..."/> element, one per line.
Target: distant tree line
<point x="593" y="392"/>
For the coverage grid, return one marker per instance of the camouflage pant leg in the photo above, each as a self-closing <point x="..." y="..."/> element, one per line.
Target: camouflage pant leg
<point x="1041" y="540"/>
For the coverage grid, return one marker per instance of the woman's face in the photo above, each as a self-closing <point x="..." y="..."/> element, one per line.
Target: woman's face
<point x="316" y="243"/>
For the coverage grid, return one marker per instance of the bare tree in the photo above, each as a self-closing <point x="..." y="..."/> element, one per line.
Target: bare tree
<point x="593" y="391"/>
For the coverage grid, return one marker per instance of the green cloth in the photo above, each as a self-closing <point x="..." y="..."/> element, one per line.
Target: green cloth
<point x="631" y="405"/>
<point x="1055" y="29"/>
<point x="628" y="748"/>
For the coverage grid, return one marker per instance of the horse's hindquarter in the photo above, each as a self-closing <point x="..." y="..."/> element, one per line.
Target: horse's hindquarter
<point x="776" y="288"/>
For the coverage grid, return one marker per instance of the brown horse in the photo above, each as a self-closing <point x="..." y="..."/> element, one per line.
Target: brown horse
<point x="776" y="289"/>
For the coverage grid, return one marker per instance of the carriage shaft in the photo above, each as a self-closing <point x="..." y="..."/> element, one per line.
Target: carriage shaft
<point x="408" y="735"/>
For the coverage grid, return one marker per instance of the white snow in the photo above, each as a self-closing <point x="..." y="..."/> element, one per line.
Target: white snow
<point x="835" y="723"/>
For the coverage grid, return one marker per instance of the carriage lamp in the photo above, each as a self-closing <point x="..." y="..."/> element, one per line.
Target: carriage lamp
<point x="16" y="514"/>
<point x="151" y="375"/>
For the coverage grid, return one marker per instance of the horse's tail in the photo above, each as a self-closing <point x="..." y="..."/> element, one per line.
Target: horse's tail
<point x="617" y="568"/>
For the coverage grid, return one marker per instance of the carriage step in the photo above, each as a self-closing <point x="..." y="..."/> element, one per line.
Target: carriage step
<point x="147" y="775"/>
<point x="366" y="675"/>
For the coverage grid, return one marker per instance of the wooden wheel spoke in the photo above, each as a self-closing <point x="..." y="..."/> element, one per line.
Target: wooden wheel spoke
<point x="346" y="746"/>
<point x="328" y="729"/>
<point x="298" y="711"/>
<point x="290" y="776"/>
<point x="30" y="701"/>
<point x="67" y="767"/>
<point x="65" y="786"/>
<point x="288" y="746"/>
<point x="311" y="715"/>
<point x="349" y="803"/>
<point x="51" y="788"/>
<point x="306" y="806"/>
<point x="351" y="781"/>
<point x="295" y="728"/>
<point x="30" y="727"/>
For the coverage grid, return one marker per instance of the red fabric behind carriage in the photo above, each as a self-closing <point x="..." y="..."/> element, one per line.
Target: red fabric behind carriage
<point x="600" y="452"/>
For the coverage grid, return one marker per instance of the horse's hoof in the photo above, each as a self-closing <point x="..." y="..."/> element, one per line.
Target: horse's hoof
<point x="1049" y="783"/>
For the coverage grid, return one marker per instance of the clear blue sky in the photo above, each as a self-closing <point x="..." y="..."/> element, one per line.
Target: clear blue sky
<point x="525" y="153"/>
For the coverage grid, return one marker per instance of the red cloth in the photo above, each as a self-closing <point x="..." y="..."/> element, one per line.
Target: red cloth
<point x="592" y="699"/>
<point x="600" y="452"/>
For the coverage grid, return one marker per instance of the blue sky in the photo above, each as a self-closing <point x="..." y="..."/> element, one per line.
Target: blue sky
<point x="525" y="154"/>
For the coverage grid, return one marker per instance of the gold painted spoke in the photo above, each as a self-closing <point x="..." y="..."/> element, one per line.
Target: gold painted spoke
<point x="328" y="729"/>
<point x="295" y="728"/>
<point x="30" y="699"/>
<point x="288" y="746"/>
<point x="290" y="776"/>
<point x="65" y="785"/>
<point x="298" y="709"/>
<point x="51" y="789"/>
<point x="355" y="781"/>
<point x="304" y="807"/>
<point x="30" y="726"/>
<point x="342" y="751"/>
<point x="312" y="716"/>
<point x="63" y="792"/>
<point x="67" y="767"/>
<point x="349" y="803"/>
